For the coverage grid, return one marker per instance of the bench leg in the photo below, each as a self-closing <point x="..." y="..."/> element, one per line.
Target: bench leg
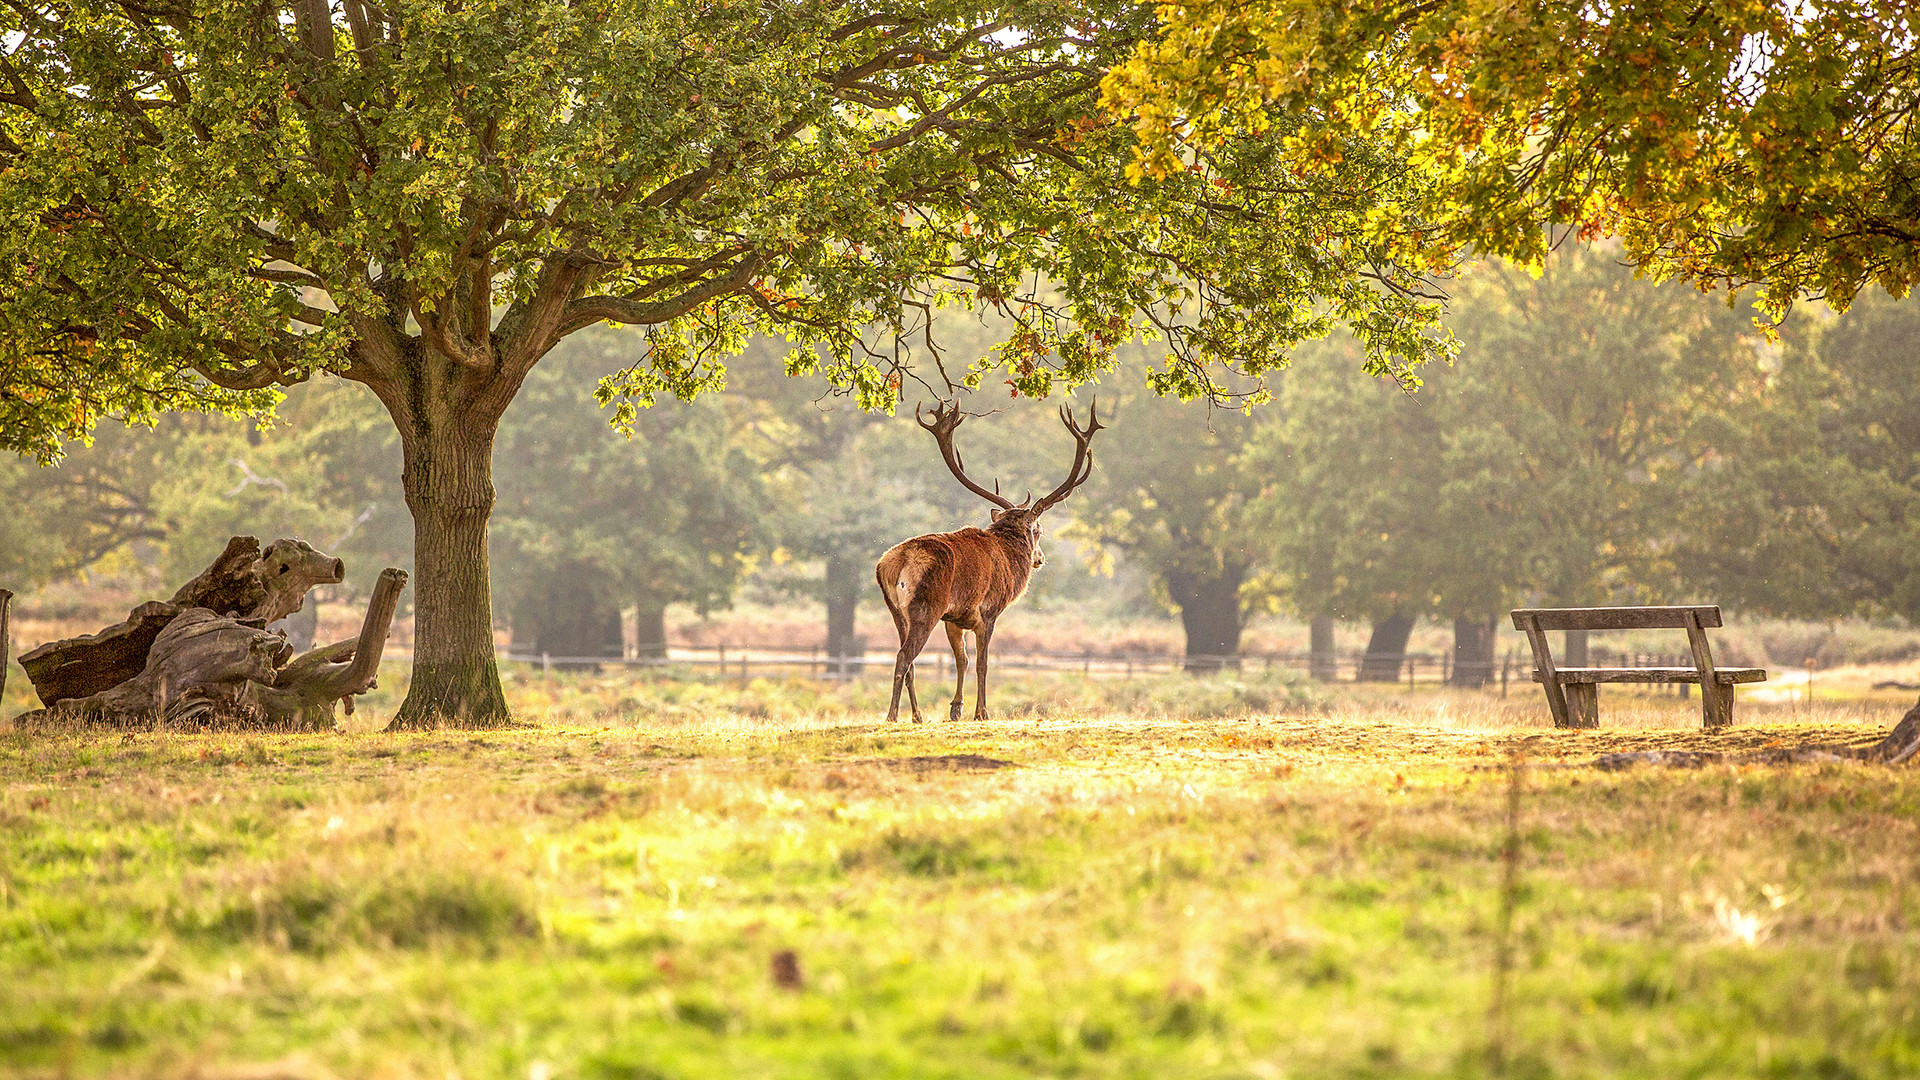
<point x="1716" y="706"/>
<point x="1583" y="705"/>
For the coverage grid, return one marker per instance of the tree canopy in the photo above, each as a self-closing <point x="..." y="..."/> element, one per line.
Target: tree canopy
<point x="1729" y="143"/>
<point x="1817" y="495"/>
<point x="202" y="202"/>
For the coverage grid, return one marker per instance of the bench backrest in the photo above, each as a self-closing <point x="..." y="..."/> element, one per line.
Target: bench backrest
<point x="1615" y="618"/>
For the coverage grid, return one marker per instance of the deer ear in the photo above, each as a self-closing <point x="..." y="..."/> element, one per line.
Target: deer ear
<point x="994" y="514"/>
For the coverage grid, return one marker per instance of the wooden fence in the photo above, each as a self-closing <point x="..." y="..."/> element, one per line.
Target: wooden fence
<point x="749" y="661"/>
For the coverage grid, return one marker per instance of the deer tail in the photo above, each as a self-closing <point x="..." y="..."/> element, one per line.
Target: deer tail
<point x="899" y="574"/>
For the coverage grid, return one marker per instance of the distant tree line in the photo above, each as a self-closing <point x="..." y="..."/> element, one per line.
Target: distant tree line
<point x="1599" y="439"/>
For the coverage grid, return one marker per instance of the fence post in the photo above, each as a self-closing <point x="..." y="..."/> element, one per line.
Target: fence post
<point x="546" y="662"/>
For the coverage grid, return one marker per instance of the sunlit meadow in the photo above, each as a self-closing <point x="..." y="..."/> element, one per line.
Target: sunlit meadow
<point x="1225" y="877"/>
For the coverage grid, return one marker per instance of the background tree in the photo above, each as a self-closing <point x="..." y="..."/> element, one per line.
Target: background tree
<point x="438" y="194"/>
<point x="1346" y="507"/>
<point x="1817" y="490"/>
<point x="840" y="501"/>
<point x="1561" y="457"/>
<point x="1172" y="489"/>
<point x="67" y="518"/>
<point x="593" y="522"/>
<point x="326" y="471"/>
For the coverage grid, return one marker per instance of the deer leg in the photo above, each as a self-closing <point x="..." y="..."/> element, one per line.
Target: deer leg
<point x="911" y="643"/>
<point x="913" y="699"/>
<point x="900" y="663"/>
<point x="900" y="659"/>
<point x="956" y="637"/>
<point x="982" y="634"/>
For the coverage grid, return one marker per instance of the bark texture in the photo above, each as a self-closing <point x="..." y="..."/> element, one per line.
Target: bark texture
<point x="1387" y="649"/>
<point x="448" y="478"/>
<point x="6" y="603"/>
<point x="1211" y="616"/>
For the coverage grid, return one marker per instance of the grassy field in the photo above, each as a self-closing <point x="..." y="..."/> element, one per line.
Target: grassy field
<point x="659" y="881"/>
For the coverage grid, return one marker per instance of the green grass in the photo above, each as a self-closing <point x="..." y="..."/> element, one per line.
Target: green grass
<point x="1309" y="894"/>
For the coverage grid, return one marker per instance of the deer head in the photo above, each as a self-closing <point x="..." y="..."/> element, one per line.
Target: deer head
<point x="946" y="419"/>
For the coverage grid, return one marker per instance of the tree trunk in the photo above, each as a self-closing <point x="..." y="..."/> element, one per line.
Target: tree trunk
<point x="1322" y="663"/>
<point x="1210" y="613"/>
<point x="841" y="588"/>
<point x="1473" y="640"/>
<point x="1387" y="649"/>
<point x="1576" y="649"/>
<point x="448" y="478"/>
<point x="650" y="629"/>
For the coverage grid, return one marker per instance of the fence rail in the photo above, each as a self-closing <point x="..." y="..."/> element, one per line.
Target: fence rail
<point x="1411" y="668"/>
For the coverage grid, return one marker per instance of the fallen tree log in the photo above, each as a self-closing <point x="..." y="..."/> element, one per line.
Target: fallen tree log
<point x="199" y="657"/>
<point x="245" y="582"/>
<point x="210" y="668"/>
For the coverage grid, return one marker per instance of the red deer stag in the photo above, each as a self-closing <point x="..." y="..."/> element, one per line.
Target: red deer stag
<point x="967" y="578"/>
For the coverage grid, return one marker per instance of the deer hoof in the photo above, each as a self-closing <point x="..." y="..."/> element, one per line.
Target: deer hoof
<point x="954" y="712"/>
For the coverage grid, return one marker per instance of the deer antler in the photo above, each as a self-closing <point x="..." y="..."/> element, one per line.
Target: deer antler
<point x="1082" y="456"/>
<point x="947" y="417"/>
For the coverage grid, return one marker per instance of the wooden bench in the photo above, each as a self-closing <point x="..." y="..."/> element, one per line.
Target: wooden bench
<point x="1574" y="693"/>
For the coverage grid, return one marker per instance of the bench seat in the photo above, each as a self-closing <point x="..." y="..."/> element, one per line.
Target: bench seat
<point x="1722" y="676"/>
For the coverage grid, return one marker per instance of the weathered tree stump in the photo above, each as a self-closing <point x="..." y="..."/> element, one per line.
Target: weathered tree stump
<point x="204" y="666"/>
<point x="306" y="689"/>
<point x="244" y="582"/>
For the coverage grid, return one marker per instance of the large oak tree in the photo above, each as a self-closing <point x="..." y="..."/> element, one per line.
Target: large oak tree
<point x="201" y="200"/>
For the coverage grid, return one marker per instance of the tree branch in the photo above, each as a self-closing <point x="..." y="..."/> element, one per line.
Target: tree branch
<point x="620" y="309"/>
